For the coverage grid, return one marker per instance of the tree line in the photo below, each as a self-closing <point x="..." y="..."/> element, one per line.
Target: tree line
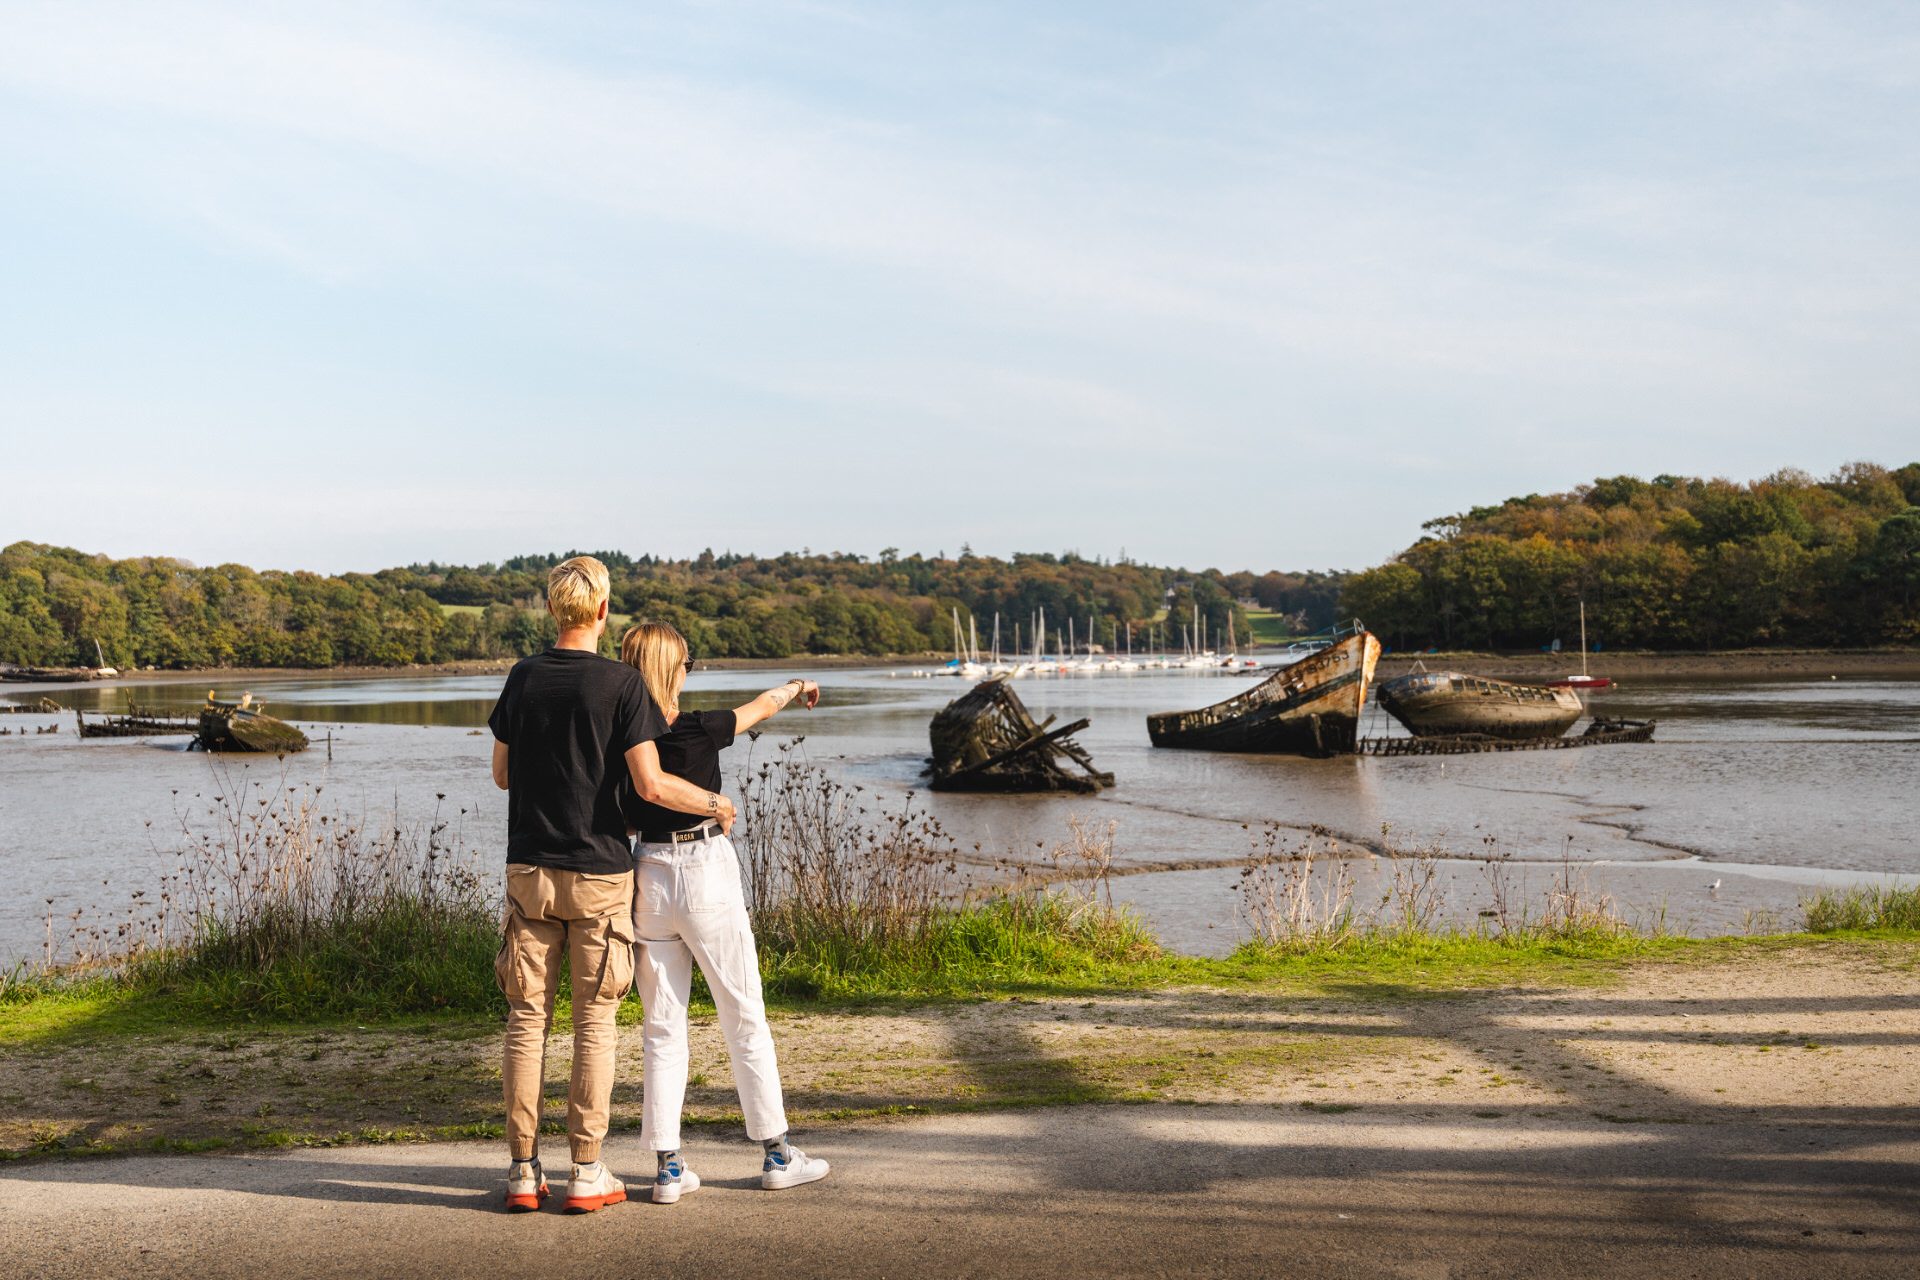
<point x="1669" y="563"/>
<point x="60" y="606"/>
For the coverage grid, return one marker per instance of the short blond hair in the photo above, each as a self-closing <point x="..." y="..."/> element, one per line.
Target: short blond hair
<point x="576" y="589"/>
<point x="658" y="652"/>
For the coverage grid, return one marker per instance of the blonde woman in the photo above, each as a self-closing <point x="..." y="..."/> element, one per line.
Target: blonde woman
<point x="688" y="907"/>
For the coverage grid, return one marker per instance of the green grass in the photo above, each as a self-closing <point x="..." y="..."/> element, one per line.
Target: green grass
<point x="410" y="965"/>
<point x="1268" y="627"/>
<point x="1863" y="910"/>
<point x="1052" y="942"/>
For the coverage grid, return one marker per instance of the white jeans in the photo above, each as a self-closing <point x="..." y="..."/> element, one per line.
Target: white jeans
<point x="688" y="906"/>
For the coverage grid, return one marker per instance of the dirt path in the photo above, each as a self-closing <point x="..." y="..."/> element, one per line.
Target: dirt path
<point x="1239" y="1189"/>
<point x="1809" y="1035"/>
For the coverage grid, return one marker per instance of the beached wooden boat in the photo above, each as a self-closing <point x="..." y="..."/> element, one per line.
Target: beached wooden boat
<point x="137" y="722"/>
<point x="242" y="726"/>
<point x="1602" y="732"/>
<point x="986" y="740"/>
<point x="56" y="675"/>
<point x="1311" y="707"/>
<point x="38" y="707"/>
<point x="1442" y="703"/>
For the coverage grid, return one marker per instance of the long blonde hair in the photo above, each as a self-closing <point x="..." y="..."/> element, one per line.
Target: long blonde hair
<point x="659" y="653"/>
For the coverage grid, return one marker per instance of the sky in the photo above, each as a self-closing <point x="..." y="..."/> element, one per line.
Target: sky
<point x="345" y="286"/>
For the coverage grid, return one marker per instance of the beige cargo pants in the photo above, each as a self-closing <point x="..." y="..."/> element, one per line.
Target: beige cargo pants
<point x="589" y="919"/>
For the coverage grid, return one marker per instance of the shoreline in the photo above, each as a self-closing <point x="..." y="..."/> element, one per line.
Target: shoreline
<point x="1899" y="664"/>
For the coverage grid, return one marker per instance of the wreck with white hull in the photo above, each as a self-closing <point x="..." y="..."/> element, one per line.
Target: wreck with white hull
<point x="1446" y="703"/>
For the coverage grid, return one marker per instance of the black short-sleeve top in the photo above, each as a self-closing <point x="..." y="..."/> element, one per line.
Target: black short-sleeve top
<point x="568" y="718"/>
<point x="690" y="749"/>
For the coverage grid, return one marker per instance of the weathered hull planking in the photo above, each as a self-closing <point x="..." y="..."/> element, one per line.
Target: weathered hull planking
<point x="986" y="740"/>
<point x="228" y="726"/>
<point x="1309" y="708"/>
<point x="1434" y="704"/>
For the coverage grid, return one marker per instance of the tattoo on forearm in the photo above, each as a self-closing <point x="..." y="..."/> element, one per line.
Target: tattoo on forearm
<point x="781" y="696"/>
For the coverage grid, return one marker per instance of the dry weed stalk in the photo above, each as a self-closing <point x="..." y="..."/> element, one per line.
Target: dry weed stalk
<point x="1573" y="907"/>
<point x="1086" y="856"/>
<point x="1414" y="891"/>
<point x="815" y="856"/>
<point x="1278" y="893"/>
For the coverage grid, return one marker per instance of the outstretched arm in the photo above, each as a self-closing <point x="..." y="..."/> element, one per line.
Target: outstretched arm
<point x="657" y="786"/>
<point x="768" y="704"/>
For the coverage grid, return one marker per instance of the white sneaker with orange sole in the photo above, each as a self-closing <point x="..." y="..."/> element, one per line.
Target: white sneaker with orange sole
<point x="526" y="1186"/>
<point x="593" y="1186"/>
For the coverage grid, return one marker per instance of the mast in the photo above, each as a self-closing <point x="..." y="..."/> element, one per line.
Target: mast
<point x="1583" y="637"/>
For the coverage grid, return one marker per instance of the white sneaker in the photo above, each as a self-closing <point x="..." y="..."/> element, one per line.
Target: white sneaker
<point x="777" y="1174"/>
<point x="674" y="1181"/>
<point x="526" y="1186"/>
<point x="592" y="1187"/>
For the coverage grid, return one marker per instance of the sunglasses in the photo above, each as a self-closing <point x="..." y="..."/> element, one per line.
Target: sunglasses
<point x="688" y="664"/>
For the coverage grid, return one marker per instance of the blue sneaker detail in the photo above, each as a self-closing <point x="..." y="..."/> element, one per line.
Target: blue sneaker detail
<point x="674" y="1181"/>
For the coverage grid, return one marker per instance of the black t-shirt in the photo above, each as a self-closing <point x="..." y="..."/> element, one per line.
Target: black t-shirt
<point x="569" y="718"/>
<point x="690" y="749"/>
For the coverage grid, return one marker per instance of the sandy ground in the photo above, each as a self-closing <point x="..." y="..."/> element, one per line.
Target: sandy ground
<point x="1812" y="1035"/>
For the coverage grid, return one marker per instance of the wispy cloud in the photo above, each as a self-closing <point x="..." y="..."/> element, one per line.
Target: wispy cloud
<point x="1263" y="226"/>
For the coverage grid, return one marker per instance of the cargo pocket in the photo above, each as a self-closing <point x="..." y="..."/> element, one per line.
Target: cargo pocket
<point x="504" y="967"/>
<point x="616" y="970"/>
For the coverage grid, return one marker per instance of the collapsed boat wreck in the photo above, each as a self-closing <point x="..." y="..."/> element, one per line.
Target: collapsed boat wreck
<point x="1311" y="707"/>
<point x="1434" y="704"/>
<point x="242" y="726"/>
<point x="986" y="740"/>
<point x="137" y="722"/>
<point x="38" y="707"/>
<point x="57" y="675"/>
<point x="1602" y="732"/>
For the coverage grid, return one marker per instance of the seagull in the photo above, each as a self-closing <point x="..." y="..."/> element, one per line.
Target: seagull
<point x="1714" y="887"/>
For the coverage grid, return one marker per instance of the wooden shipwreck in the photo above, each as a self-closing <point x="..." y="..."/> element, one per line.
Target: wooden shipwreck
<point x="1600" y="733"/>
<point x="1447" y="703"/>
<point x="38" y="707"/>
<point x="136" y="722"/>
<point x="1311" y="707"/>
<point x="986" y="740"/>
<point x="242" y="726"/>
<point x="56" y="675"/>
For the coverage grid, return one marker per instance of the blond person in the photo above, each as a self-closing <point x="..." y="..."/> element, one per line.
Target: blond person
<point x="569" y="727"/>
<point x="688" y="908"/>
